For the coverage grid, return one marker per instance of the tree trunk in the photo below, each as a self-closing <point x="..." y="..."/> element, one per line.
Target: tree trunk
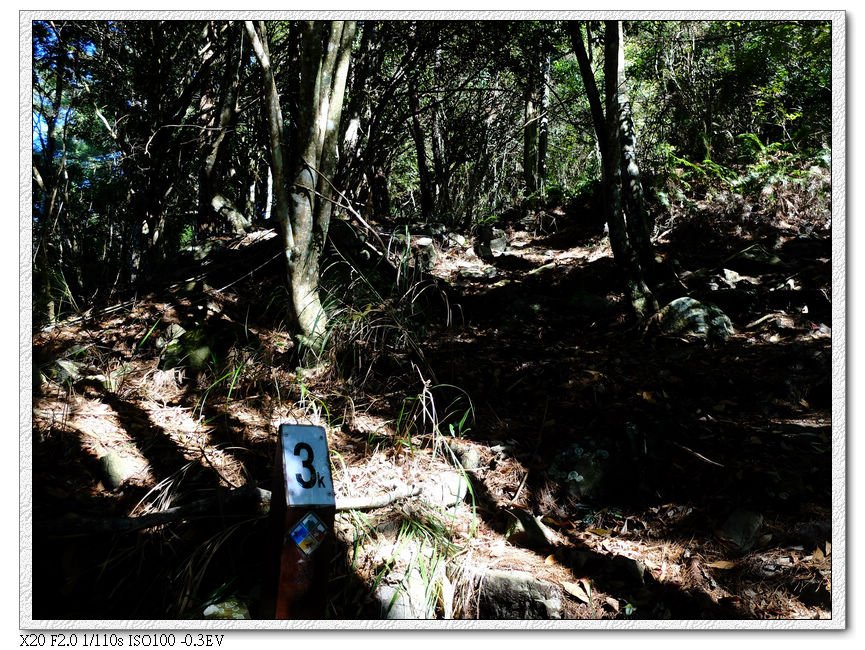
<point x="611" y="146"/>
<point x="439" y="149"/>
<point x="640" y="296"/>
<point x="304" y="210"/>
<point x="639" y="221"/>
<point x="354" y="169"/>
<point x="543" y="126"/>
<point x="639" y="230"/>
<point x="268" y="200"/>
<point x="427" y="189"/>
<point x="48" y="184"/>
<point x="217" y="210"/>
<point x="591" y="87"/>
<point x="530" y="141"/>
<point x="379" y="193"/>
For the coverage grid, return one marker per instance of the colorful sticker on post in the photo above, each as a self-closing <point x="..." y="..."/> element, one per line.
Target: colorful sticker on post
<point x="309" y="533"/>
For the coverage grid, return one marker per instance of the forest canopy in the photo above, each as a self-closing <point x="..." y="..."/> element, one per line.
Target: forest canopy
<point x="149" y="137"/>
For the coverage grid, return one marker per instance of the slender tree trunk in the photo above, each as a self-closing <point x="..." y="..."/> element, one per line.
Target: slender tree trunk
<point x="439" y="147"/>
<point x="217" y="209"/>
<point x="530" y="141"/>
<point x="440" y="166"/>
<point x="639" y="230"/>
<point x="639" y="221"/>
<point x="610" y="143"/>
<point x="640" y="296"/>
<point x="52" y="188"/>
<point x="379" y="192"/>
<point x="249" y="199"/>
<point x="353" y="166"/>
<point x="543" y="126"/>
<point x="592" y="94"/>
<point x="304" y="210"/>
<point x="427" y="188"/>
<point x="268" y="201"/>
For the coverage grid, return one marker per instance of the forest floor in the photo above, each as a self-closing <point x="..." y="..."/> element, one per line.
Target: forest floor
<point x="670" y="478"/>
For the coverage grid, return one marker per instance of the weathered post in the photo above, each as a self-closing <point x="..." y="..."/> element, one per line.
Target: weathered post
<point x="302" y="513"/>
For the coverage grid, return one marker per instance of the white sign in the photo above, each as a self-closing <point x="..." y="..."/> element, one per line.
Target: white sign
<point x="306" y="462"/>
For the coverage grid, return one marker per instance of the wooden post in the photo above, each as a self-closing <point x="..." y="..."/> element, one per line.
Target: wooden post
<point x="302" y="513"/>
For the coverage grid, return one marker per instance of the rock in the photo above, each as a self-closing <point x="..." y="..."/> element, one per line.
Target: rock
<point x="524" y="529"/>
<point x="691" y="319"/>
<point x="444" y="489"/>
<point x="425" y="253"/>
<point x="490" y="242"/>
<point x="740" y="529"/>
<point x="481" y="274"/>
<point x="117" y="469"/>
<point x="67" y="370"/>
<point x="814" y="534"/>
<point x="630" y="571"/>
<point x="467" y="456"/>
<point x="191" y="349"/>
<point x="404" y="591"/>
<point x="528" y="223"/>
<point x="436" y="229"/>
<point x="517" y="595"/>
<point x="405" y="601"/>
<point x="229" y="610"/>
<point x="454" y="239"/>
<point x="581" y="470"/>
<point x="499" y="244"/>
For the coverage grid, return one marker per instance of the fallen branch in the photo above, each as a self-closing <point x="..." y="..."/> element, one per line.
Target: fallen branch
<point x="698" y="455"/>
<point x="370" y="503"/>
<point x="247" y="501"/>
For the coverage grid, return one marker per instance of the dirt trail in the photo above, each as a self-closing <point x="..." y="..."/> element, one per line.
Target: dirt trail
<point x="681" y="480"/>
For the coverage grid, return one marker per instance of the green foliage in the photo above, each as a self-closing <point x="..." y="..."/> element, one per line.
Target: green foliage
<point x="428" y="526"/>
<point x="313" y="406"/>
<point x="767" y="173"/>
<point x="461" y="427"/>
<point x="490" y="219"/>
<point x="421" y="416"/>
<point x="376" y="323"/>
<point x="714" y="79"/>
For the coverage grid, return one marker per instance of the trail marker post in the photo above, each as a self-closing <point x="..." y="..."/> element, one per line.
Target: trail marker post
<point x="302" y="514"/>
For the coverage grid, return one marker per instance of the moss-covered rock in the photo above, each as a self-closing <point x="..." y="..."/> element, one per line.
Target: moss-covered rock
<point x="193" y="349"/>
<point x="691" y="319"/>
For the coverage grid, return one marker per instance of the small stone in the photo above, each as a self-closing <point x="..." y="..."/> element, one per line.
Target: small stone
<point x="517" y="595"/>
<point x="117" y="469"/>
<point x="404" y="591"/>
<point x="691" y="319"/>
<point x="229" y="610"/>
<point x="445" y="489"/>
<point x="454" y="239"/>
<point x="740" y="529"/>
<point x="425" y="253"/>
<point x="467" y="456"/>
<point x="524" y="529"/>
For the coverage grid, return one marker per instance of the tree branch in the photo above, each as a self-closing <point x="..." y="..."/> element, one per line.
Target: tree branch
<point x="248" y="501"/>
